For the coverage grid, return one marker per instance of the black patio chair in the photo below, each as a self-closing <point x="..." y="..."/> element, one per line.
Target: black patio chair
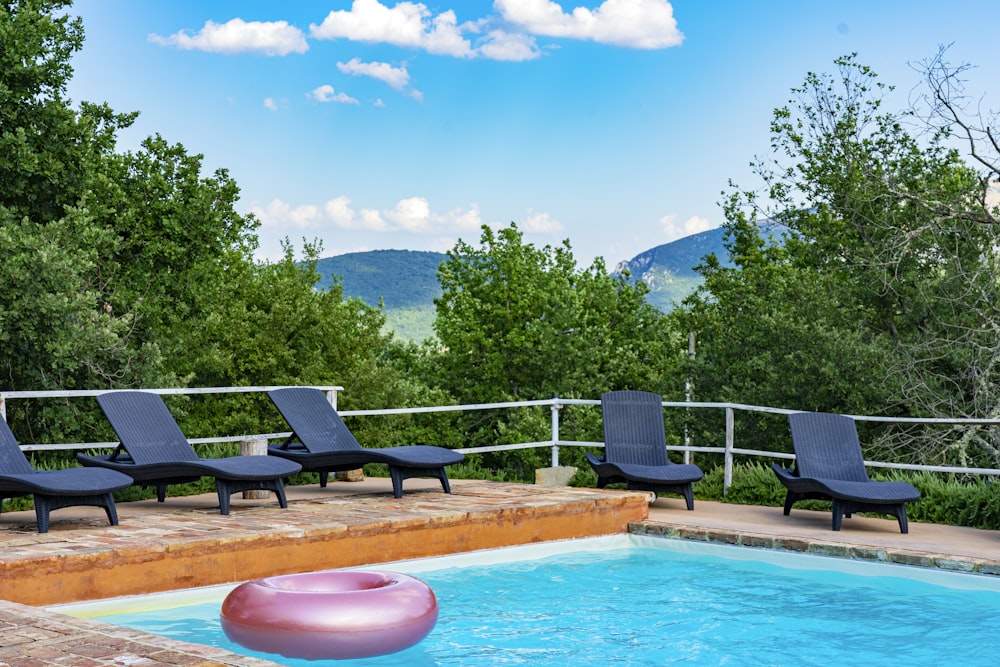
<point x="55" y="489"/>
<point x="155" y="453"/>
<point x="321" y="442"/>
<point x="635" y="447"/>
<point x="829" y="466"/>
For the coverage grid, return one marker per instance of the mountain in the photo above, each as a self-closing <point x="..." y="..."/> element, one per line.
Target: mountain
<point x="401" y="278"/>
<point x="406" y="280"/>
<point x="668" y="269"/>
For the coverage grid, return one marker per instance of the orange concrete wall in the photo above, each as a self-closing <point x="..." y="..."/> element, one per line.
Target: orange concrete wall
<point x="72" y="577"/>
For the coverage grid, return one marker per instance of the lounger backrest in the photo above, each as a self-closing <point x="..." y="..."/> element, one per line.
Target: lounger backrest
<point x="827" y="446"/>
<point x="633" y="428"/>
<point x="313" y="420"/>
<point x="145" y="427"/>
<point x="12" y="459"/>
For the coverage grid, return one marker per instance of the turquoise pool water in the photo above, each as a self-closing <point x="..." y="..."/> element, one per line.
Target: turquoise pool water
<point x="648" y="601"/>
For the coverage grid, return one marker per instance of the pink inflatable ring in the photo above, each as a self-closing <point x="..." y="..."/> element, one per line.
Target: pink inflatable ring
<point x="330" y="615"/>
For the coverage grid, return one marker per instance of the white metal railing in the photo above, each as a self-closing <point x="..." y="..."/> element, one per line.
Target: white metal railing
<point x="729" y="450"/>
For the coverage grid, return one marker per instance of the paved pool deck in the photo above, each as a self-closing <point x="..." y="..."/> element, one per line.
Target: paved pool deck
<point x="186" y="543"/>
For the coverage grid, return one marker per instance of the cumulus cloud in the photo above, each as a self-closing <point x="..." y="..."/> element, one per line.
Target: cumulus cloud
<point x="540" y="223"/>
<point x="674" y="230"/>
<point x="396" y="77"/>
<point x="275" y="38"/>
<point x="406" y="24"/>
<point x="509" y="34"/>
<point x="642" y="24"/>
<point x="462" y="221"/>
<point x="279" y="214"/>
<point x="326" y="93"/>
<point x="270" y="104"/>
<point x="502" y="45"/>
<point x="413" y="215"/>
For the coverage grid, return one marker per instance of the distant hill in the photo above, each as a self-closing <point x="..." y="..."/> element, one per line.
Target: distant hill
<point x="406" y="280"/>
<point x="668" y="269"/>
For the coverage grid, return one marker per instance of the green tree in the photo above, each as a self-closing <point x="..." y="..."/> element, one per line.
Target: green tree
<point x="135" y="269"/>
<point x="879" y="298"/>
<point x="516" y="322"/>
<point x="57" y="329"/>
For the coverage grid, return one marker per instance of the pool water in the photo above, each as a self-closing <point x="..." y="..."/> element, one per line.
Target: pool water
<point x="653" y="601"/>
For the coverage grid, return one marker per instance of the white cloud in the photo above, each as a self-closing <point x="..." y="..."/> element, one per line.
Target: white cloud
<point x="642" y="24"/>
<point x="540" y="223"/>
<point x="326" y="93"/>
<point x="276" y="38"/>
<point x="279" y="214"/>
<point x="502" y="45"/>
<point x="460" y="220"/>
<point x="396" y="77"/>
<point x="673" y="230"/>
<point x="270" y="104"/>
<point x="406" y="24"/>
<point x="411" y="215"/>
<point x="339" y="211"/>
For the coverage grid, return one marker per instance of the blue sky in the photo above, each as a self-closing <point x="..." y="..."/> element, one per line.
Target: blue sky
<point x="372" y="124"/>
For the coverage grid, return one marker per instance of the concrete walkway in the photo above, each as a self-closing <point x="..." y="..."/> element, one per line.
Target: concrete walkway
<point x="929" y="545"/>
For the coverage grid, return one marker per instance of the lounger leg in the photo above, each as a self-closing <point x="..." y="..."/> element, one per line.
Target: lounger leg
<point x="324" y="476"/>
<point x="279" y="490"/>
<point x="110" y="509"/>
<point x="444" y="481"/>
<point x="838" y="514"/>
<point x="688" y="496"/>
<point x="397" y="482"/>
<point x="904" y="526"/>
<point x="224" y="491"/>
<point x="790" y="499"/>
<point x="42" y="509"/>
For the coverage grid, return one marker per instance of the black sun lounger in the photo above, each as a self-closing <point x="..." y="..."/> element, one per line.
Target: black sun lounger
<point x="321" y="442"/>
<point x="155" y="453"/>
<point x="54" y="489"/>
<point x="635" y="447"/>
<point x="829" y="466"/>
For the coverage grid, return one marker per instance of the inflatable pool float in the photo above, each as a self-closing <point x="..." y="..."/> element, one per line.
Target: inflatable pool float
<point x="330" y="615"/>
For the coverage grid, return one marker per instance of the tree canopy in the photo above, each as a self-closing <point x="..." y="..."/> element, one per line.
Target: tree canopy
<point x="880" y="296"/>
<point x="134" y="269"/>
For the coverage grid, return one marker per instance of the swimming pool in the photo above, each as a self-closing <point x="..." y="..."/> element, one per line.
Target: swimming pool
<point x="633" y="600"/>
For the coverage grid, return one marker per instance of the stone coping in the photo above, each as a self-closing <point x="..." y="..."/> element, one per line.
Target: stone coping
<point x="896" y="555"/>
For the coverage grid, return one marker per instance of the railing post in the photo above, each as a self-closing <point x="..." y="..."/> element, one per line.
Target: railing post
<point x="331" y="396"/>
<point x="727" y="476"/>
<point x="555" y="430"/>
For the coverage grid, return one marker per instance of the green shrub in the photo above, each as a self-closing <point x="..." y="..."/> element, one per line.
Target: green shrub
<point x="944" y="499"/>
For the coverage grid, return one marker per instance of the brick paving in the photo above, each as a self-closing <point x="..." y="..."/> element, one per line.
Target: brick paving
<point x="185" y="542"/>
